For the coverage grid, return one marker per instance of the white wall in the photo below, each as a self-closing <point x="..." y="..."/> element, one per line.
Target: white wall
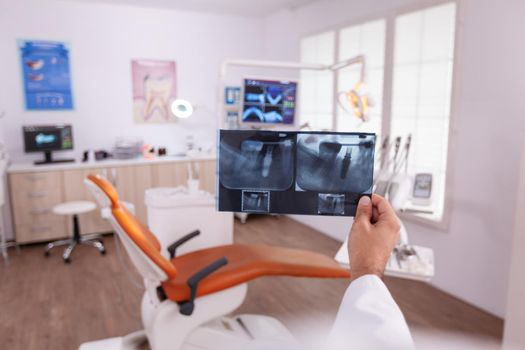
<point x="472" y="255"/>
<point x="104" y="38"/>
<point x="514" y="337"/>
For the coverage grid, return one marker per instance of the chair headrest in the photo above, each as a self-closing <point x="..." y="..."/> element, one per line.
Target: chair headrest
<point x="141" y="244"/>
<point x="101" y="198"/>
<point x="103" y="191"/>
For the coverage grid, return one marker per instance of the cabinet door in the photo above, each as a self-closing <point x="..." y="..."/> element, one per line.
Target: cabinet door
<point x="33" y="196"/>
<point x="76" y="190"/>
<point x="132" y="182"/>
<point x="170" y="174"/>
<point x="207" y="175"/>
<point x="176" y="174"/>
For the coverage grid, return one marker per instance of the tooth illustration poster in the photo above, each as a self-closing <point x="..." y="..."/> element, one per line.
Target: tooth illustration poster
<point x="46" y="75"/>
<point x="154" y="89"/>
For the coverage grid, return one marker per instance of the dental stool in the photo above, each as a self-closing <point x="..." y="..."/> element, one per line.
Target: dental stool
<point x="74" y="209"/>
<point x="187" y="296"/>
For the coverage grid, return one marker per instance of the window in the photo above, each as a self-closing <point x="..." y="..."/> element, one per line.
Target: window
<point x="366" y="39"/>
<point x="316" y="88"/>
<point x="421" y="91"/>
<point x="408" y="76"/>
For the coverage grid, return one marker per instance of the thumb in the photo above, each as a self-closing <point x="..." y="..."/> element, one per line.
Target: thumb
<point x="364" y="209"/>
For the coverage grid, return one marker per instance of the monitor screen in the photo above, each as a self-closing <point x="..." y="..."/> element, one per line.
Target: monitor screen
<point x="41" y="138"/>
<point x="269" y="101"/>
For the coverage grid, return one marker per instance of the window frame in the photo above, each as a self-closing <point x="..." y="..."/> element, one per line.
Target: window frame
<point x="389" y="16"/>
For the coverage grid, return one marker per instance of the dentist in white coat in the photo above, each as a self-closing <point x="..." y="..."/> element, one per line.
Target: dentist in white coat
<point x="368" y="317"/>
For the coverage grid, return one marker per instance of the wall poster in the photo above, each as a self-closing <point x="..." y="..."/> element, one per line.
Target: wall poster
<point x="154" y="89"/>
<point x="46" y="75"/>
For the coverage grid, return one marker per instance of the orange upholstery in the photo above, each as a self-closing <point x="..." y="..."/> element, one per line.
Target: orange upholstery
<point x="139" y="234"/>
<point x="245" y="262"/>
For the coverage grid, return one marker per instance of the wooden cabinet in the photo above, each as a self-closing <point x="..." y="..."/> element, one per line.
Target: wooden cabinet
<point x="173" y="175"/>
<point x="170" y="175"/>
<point x="34" y="193"/>
<point x="75" y="190"/>
<point x="33" y="196"/>
<point x="207" y="170"/>
<point x="131" y="183"/>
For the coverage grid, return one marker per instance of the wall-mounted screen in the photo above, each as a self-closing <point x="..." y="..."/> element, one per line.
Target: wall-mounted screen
<point x="311" y="173"/>
<point x="269" y="101"/>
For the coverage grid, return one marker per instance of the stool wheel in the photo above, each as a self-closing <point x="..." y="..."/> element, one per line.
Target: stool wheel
<point x="46" y="253"/>
<point x="67" y="261"/>
<point x="103" y="252"/>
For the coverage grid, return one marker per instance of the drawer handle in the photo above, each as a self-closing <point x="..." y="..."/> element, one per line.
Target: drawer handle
<point x="40" y="211"/>
<point x="36" y="194"/>
<point x="40" y="228"/>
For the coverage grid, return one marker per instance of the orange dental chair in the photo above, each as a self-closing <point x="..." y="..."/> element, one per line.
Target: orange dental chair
<point x="187" y="296"/>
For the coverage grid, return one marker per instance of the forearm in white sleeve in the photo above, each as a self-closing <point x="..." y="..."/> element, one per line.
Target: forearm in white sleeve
<point x="369" y="318"/>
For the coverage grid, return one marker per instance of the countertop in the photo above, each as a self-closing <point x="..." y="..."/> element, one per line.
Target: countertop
<point x="30" y="167"/>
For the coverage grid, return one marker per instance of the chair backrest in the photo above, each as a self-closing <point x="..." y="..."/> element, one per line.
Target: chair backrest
<point x="141" y="244"/>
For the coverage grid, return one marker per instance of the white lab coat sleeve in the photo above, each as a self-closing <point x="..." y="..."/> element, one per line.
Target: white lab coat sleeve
<point x="369" y="318"/>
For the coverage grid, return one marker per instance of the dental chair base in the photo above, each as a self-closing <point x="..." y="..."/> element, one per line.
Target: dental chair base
<point x="235" y="333"/>
<point x="205" y="329"/>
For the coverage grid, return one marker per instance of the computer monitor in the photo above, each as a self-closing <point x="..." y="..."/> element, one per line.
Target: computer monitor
<point x="48" y="138"/>
<point x="268" y="101"/>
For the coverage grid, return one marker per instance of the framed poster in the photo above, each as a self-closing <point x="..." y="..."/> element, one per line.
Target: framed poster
<point x="46" y="75"/>
<point x="154" y="89"/>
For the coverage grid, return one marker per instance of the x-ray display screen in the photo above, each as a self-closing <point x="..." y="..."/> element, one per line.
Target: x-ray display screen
<point x="311" y="173"/>
<point x="269" y="101"/>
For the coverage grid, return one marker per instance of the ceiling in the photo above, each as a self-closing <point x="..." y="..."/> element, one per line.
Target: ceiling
<point x="252" y="8"/>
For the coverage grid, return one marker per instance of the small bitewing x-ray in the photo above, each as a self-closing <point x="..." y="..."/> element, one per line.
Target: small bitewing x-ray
<point x="310" y="173"/>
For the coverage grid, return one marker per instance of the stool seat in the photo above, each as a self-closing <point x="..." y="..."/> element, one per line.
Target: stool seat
<point x="74" y="207"/>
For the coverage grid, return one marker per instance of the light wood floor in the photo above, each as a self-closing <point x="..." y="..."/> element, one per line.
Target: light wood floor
<point x="45" y="304"/>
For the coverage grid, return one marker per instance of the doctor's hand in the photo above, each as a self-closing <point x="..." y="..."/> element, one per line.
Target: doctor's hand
<point x="373" y="236"/>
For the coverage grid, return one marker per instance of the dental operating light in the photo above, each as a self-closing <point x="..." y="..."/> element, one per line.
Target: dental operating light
<point x="182" y="109"/>
<point x="356" y="100"/>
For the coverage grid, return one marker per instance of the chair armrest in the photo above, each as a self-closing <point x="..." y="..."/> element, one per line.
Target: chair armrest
<point x="172" y="248"/>
<point x="187" y="307"/>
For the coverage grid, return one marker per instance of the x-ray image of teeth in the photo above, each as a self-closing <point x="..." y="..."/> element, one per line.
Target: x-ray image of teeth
<point x="335" y="163"/>
<point x="331" y="204"/>
<point x="294" y="172"/>
<point x="256" y="201"/>
<point x="259" y="163"/>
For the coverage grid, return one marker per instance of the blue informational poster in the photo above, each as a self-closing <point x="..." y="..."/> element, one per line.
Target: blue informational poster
<point x="46" y="73"/>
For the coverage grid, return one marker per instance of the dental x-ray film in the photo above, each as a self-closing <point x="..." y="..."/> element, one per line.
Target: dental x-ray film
<point x="309" y="173"/>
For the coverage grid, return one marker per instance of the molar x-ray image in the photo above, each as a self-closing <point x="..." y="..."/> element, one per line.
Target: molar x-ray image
<point x="260" y="162"/>
<point x="256" y="201"/>
<point x="312" y="173"/>
<point x="335" y="163"/>
<point x="331" y="204"/>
